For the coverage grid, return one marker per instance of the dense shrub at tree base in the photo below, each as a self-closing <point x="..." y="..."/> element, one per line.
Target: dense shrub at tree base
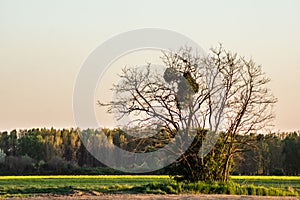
<point x="190" y="166"/>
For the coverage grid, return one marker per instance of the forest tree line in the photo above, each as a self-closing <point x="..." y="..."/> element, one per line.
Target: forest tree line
<point x="60" y="151"/>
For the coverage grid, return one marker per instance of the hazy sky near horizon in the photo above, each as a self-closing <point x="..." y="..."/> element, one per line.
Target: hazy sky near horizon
<point x="44" y="43"/>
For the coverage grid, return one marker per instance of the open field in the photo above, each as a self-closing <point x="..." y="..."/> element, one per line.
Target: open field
<point x="283" y="182"/>
<point x="60" y="185"/>
<point x="29" y="185"/>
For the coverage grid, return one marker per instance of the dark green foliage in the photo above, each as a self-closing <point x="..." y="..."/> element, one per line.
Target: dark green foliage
<point x="51" y="151"/>
<point x="291" y="149"/>
<point x="193" y="167"/>
<point x="271" y="154"/>
<point x="18" y="165"/>
<point x="8" y="143"/>
<point x="31" y="144"/>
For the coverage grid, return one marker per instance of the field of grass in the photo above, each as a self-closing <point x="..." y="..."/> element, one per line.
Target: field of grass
<point x="283" y="182"/>
<point x="31" y="185"/>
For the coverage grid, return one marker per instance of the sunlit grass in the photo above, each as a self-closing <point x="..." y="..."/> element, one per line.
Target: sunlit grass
<point x="287" y="178"/>
<point x="11" y="186"/>
<point x="61" y="184"/>
<point x="290" y="183"/>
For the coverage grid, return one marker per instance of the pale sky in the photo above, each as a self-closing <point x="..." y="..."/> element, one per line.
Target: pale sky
<point x="44" y="43"/>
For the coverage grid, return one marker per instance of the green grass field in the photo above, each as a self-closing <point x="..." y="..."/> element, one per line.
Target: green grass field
<point x="31" y="185"/>
<point x="283" y="182"/>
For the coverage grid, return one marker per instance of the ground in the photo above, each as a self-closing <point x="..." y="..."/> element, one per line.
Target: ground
<point x="153" y="197"/>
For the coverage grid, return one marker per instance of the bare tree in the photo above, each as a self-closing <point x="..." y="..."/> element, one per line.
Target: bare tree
<point x="249" y="102"/>
<point x="219" y="91"/>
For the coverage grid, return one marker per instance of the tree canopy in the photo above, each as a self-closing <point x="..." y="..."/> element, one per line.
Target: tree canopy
<point x="212" y="99"/>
